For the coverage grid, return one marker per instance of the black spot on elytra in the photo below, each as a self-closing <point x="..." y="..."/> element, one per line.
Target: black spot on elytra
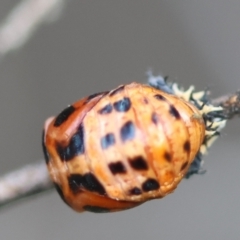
<point x="107" y="141"/>
<point x="187" y="146"/>
<point x="117" y="90"/>
<point x="122" y="105"/>
<point x="138" y="163"/>
<point x="135" y="191"/>
<point x="75" y="146"/>
<point x="117" y="167"/>
<point x="184" y="165"/>
<point x="96" y="209"/>
<point x="160" y="97"/>
<point x="154" y="118"/>
<point x="174" y="112"/>
<point x="45" y="152"/>
<point x="127" y="131"/>
<point x="167" y="156"/>
<point x="64" y="115"/>
<point x="88" y="181"/>
<point x="89" y="98"/>
<point x="75" y="182"/>
<point x="95" y="95"/>
<point x="150" y="185"/>
<point x="106" y="110"/>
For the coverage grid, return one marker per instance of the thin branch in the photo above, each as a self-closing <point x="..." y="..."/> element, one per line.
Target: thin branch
<point x="230" y="104"/>
<point x="24" y="20"/>
<point x="18" y="27"/>
<point x="25" y="182"/>
<point x="33" y="179"/>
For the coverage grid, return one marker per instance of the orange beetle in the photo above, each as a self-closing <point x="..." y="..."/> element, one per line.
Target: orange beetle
<point x="117" y="149"/>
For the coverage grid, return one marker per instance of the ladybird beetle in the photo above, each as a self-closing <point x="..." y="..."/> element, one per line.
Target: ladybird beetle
<point x="114" y="150"/>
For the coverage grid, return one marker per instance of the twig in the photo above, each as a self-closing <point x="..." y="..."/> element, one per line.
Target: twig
<point x="230" y="104"/>
<point x="33" y="179"/>
<point x="27" y="181"/>
<point x="24" y="20"/>
<point x="20" y="24"/>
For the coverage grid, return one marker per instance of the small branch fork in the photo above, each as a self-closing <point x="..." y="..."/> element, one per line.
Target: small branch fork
<point x="33" y="179"/>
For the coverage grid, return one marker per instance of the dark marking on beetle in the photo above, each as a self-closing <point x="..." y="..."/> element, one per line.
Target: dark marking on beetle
<point x="95" y="95"/>
<point x="138" y="163"/>
<point x="63" y="116"/>
<point x="168" y="156"/>
<point x="87" y="181"/>
<point x="174" y="112"/>
<point x="160" y="97"/>
<point x="135" y="191"/>
<point x="154" y="118"/>
<point x="91" y="183"/>
<point x="117" y="90"/>
<point x="117" y="167"/>
<point x="75" y="182"/>
<point x="106" y="110"/>
<point x="127" y="131"/>
<point x="122" y="105"/>
<point x="184" y="165"/>
<point x="45" y="152"/>
<point x="75" y="146"/>
<point x="187" y="146"/>
<point x="89" y="98"/>
<point x="150" y="185"/>
<point x="107" y="141"/>
<point x="96" y="209"/>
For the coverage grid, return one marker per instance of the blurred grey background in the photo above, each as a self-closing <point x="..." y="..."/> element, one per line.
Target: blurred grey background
<point x="98" y="45"/>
